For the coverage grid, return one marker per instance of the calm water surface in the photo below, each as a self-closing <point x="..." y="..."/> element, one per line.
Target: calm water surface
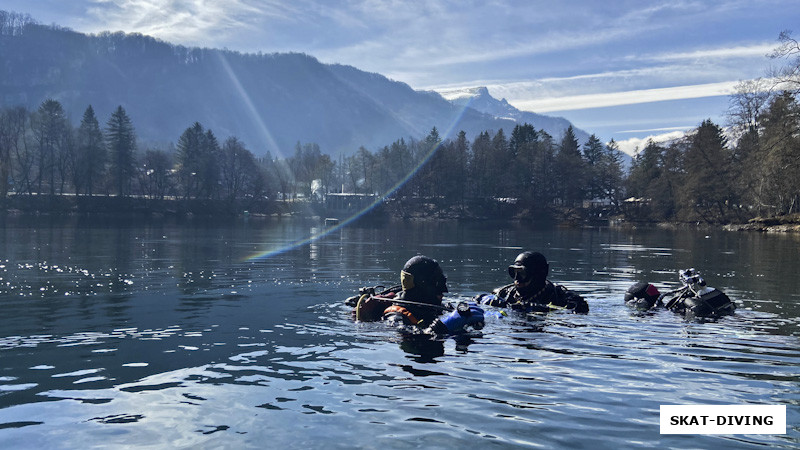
<point x="166" y="335"/>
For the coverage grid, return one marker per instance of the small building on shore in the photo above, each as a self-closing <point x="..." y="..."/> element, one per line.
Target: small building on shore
<point x="347" y="203"/>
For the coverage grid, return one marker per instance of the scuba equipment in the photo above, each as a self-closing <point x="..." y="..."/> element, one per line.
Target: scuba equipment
<point x="529" y="266"/>
<point x="369" y="306"/>
<point x="519" y="274"/>
<point x="398" y="315"/>
<point x="389" y="306"/>
<point x="465" y="315"/>
<point x="490" y="300"/>
<point x="422" y="285"/>
<point x="696" y="300"/>
<point x="371" y="298"/>
<point x="531" y="291"/>
<point x="389" y="294"/>
<point x="642" y="295"/>
<point x="368" y="291"/>
<point x="549" y="297"/>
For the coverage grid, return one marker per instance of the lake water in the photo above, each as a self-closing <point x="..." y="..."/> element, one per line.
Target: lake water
<point x="169" y="335"/>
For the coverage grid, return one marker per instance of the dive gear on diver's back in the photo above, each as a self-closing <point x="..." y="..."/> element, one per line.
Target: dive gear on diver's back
<point x="696" y="300"/>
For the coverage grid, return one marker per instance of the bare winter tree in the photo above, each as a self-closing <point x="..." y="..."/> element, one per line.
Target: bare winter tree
<point x="788" y="76"/>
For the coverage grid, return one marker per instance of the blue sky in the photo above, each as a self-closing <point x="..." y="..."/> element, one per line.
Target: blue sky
<point x="625" y="70"/>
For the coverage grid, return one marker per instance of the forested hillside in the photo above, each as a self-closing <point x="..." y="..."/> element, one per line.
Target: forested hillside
<point x="270" y="101"/>
<point x="711" y="175"/>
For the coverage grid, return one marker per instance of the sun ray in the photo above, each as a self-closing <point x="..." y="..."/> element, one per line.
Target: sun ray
<point x="448" y="132"/>
<point x="272" y="146"/>
<point x="307" y="240"/>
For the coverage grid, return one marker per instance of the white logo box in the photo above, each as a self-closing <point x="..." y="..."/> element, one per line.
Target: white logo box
<point x="723" y="419"/>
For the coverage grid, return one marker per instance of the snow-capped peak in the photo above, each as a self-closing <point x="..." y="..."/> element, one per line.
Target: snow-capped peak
<point x="464" y="93"/>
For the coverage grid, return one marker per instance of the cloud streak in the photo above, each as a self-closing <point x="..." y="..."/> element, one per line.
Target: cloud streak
<point x="632" y="80"/>
<point x="745" y="51"/>
<point x="574" y="102"/>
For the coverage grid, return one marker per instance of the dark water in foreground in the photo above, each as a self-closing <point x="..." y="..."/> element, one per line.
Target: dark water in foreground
<point x="167" y="336"/>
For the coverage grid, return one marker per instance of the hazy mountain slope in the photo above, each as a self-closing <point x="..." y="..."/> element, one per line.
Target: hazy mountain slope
<point x="270" y="101"/>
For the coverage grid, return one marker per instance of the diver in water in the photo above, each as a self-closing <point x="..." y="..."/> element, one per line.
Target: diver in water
<point x="417" y="302"/>
<point x="694" y="299"/>
<point x="531" y="290"/>
<point x="643" y="296"/>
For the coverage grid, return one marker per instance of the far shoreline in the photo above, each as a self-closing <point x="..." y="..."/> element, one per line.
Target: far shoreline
<point x="406" y="210"/>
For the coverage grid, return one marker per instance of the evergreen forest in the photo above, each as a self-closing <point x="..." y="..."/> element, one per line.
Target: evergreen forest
<point x="703" y="177"/>
<point x="717" y="173"/>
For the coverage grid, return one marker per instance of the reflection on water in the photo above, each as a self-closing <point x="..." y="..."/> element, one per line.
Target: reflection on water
<point x="165" y="335"/>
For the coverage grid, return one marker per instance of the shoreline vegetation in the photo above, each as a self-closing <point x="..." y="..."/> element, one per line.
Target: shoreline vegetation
<point x="741" y="176"/>
<point x="405" y="209"/>
<point x="783" y="224"/>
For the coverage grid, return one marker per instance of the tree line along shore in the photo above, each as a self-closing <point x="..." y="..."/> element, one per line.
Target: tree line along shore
<point x="49" y="167"/>
<point x="745" y="173"/>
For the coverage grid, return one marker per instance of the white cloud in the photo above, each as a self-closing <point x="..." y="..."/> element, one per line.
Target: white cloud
<point x="633" y="145"/>
<point x="747" y="51"/>
<point x="650" y="130"/>
<point x="191" y="22"/>
<point x="439" y="35"/>
<point x="644" y="78"/>
<point x="574" y="102"/>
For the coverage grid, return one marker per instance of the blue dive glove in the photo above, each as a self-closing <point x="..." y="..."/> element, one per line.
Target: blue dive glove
<point x="490" y="299"/>
<point x="466" y="314"/>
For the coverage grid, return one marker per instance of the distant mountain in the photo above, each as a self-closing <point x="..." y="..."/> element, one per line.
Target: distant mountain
<point x="479" y="99"/>
<point x="269" y="101"/>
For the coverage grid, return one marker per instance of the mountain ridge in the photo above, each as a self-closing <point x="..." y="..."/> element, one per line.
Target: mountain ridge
<point x="481" y="100"/>
<point x="269" y="101"/>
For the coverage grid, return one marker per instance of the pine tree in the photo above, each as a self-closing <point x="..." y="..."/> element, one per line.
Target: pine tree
<point x="479" y="169"/>
<point x="459" y="165"/>
<point x="189" y="160"/>
<point x="209" y="165"/>
<point x="610" y="174"/>
<point x="543" y="183"/>
<point x="521" y="137"/>
<point x="91" y="153"/>
<point x="522" y="149"/>
<point x="431" y="161"/>
<point x="570" y="171"/>
<point x="500" y="167"/>
<point x="122" y="148"/>
<point x="664" y="191"/>
<point x="593" y="154"/>
<point x="645" y="168"/>
<point x="706" y="191"/>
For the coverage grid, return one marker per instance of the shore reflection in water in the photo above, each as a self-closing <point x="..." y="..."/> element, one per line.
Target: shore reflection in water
<point x="163" y="335"/>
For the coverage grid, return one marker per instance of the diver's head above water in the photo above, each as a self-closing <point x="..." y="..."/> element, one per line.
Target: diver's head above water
<point x="423" y="280"/>
<point x="529" y="270"/>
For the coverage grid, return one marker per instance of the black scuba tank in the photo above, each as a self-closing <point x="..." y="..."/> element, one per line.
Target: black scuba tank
<point x="709" y="302"/>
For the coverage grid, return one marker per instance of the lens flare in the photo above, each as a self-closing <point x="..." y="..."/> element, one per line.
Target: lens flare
<point x="458" y="114"/>
<point x="273" y="146"/>
<point x="300" y="242"/>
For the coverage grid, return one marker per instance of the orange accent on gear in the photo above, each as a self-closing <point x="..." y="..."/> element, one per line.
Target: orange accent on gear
<point x="403" y="311"/>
